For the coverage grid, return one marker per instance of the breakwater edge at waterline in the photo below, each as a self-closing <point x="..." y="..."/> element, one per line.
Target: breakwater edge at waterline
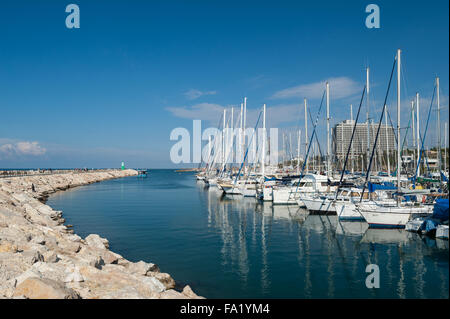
<point x="40" y="257"/>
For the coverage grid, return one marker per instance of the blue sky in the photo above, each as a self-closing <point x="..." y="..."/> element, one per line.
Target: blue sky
<point x="114" y="89"/>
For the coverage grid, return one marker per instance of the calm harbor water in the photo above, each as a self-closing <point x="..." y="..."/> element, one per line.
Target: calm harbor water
<point x="243" y="248"/>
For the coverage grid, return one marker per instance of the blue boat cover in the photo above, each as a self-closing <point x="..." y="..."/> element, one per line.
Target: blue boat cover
<point x="440" y="210"/>
<point x="429" y="224"/>
<point x="384" y="186"/>
<point x="443" y="177"/>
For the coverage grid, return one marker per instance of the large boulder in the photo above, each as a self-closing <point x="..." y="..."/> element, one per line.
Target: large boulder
<point x="43" y="288"/>
<point x="154" y="284"/>
<point x="74" y="276"/>
<point x="74" y="238"/>
<point x="95" y="240"/>
<point x="164" y="278"/>
<point x="142" y="268"/>
<point x="30" y="273"/>
<point x="67" y="246"/>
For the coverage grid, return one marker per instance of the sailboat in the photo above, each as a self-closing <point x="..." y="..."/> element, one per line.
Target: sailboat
<point x="320" y="201"/>
<point x="387" y="214"/>
<point x="306" y="184"/>
<point x="247" y="186"/>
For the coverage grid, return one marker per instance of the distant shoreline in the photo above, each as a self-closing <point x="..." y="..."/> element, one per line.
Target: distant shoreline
<point x="187" y="170"/>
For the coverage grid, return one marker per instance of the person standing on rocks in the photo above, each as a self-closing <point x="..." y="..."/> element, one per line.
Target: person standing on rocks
<point x="32" y="187"/>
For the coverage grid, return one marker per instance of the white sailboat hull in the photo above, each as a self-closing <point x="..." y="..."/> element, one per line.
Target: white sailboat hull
<point x="319" y="204"/>
<point x="248" y="192"/>
<point x="442" y="231"/>
<point x="390" y="216"/>
<point x="231" y="190"/>
<point x="285" y="196"/>
<point x="347" y="211"/>
<point x="200" y="178"/>
<point x="212" y="182"/>
<point x="267" y="194"/>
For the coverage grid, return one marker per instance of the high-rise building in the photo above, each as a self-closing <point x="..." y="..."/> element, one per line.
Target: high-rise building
<point x="342" y="133"/>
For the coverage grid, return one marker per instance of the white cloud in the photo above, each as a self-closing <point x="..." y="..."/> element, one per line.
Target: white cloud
<point x="201" y="111"/>
<point x="11" y="149"/>
<point x="193" y="94"/>
<point x="340" y="87"/>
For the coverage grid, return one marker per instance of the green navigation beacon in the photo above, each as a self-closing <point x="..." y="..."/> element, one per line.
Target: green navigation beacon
<point x="123" y="166"/>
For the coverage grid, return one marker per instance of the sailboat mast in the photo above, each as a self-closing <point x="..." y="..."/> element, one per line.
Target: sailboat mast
<point x="210" y="149"/>
<point x="413" y="132"/>
<point x="298" y="151"/>
<point x="351" y="121"/>
<point x="367" y="118"/>
<point x="387" y="143"/>
<point x="398" y="123"/>
<point x="418" y="133"/>
<point x="263" y="162"/>
<point x="306" y="135"/>
<point x="314" y="156"/>
<point x="284" y="150"/>
<point x="439" y="130"/>
<point x="245" y="123"/>
<point x="231" y="137"/>
<point x="241" y="135"/>
<point x="232" y="117"/>
<point x="328" y="132"/>
<point x="445" y="149"/>
<point x="290" y="148"/>
<point x="245" y="113"/>
<point x="223" y="136"/>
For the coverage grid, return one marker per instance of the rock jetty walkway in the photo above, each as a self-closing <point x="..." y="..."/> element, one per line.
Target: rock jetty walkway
<point x="40" y="257"/>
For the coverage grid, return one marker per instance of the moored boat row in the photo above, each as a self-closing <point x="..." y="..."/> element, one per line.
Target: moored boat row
<point x="383" y="199"/>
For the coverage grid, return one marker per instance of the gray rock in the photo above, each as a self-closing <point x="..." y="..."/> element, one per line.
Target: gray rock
<point x="51" y="257"/>
<point x="109" y="257"/>
<point x="74" y="276"/>
<point x="30" y="273"/>
<point x="69" y="246"/>
<point x="95" y="240"/>
<point x="142" y="268"/>
<point x="164" y="278"/>
<point x="32" y="256"/>
<point x="38" y="240"/>
<point x="97" y="262"/>
<point x="42" y="288"/>
<point x="154" y="284"/>
<point x="74" y="238"/>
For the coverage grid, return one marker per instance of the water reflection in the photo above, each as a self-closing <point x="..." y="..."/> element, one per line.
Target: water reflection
<point x="323" y="257"/>
<point x="351" y="228"/>
<point x="387" y="236"/>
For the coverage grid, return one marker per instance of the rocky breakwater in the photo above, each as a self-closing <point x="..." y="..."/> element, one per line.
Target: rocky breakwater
<point x="40" y="257"/>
